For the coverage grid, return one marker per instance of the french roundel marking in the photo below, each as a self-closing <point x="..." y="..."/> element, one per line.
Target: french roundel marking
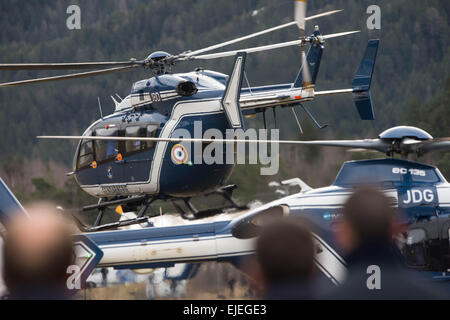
<point x="179" y="154"/>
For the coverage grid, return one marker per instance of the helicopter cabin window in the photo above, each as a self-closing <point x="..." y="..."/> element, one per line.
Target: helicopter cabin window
<point x="415" y="249"/>
<point x="136" y="131"/>
<point x="86" y="154"/>
<point x="136" y="145"/>
<point x="152" y="132"/>
<point x="384" y="173"/>
<point x="106" y="150"/>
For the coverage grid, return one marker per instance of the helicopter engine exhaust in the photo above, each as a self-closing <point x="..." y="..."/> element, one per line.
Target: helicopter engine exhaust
<point x="186" y="88"/>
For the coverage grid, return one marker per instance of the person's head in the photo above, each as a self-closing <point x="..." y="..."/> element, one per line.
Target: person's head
<point x="367" y="216"/>
<point x="37" y="252"/>
<point x="285" y="252"/>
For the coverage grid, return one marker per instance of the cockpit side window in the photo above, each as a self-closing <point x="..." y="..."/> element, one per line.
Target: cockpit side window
<point x="106" y="150"/>
<point x="86" y="154"/>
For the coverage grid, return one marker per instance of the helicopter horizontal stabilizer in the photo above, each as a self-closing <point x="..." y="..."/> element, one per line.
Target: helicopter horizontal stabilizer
<point x="362" y="80"/>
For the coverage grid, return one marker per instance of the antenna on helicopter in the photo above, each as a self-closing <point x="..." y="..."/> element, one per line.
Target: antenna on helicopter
<point x="117" y="95"/>
<point x="318" y="125"/>
<point x="116" y="103"/>
<point x="298" y="121"/>
<point x="100" y="107"/>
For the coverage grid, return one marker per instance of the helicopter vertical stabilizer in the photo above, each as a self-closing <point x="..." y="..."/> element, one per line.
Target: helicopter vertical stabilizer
<point x="9" y="205"/>
<point x="362" y="80"/>
<point x="232" y="94"/>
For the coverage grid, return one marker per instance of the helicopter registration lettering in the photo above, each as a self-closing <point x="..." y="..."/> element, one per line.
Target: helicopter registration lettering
<point x="418" y="196"/>
<point x="145" y="98"/>
<point x="114" y="189"/>
<point x="414" y="172"/>
<point x="155" y="96"/>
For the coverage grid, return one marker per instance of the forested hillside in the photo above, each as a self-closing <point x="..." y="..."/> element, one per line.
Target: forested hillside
<point x="408" y="88"/>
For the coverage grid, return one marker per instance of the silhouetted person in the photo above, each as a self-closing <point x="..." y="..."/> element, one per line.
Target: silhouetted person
<point x="37" y="253"/>
<point x="285" y="252"/>
<point x="104" y="272"/>
<point x="231" y="281"/>
<point x="375" y="266"/>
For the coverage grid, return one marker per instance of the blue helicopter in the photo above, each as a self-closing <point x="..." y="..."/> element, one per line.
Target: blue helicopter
<point x="420" y="192"/>
<point x="116" y="159"/>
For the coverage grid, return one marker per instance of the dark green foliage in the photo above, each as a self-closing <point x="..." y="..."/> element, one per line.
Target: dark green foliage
<point x="412" y="65"/>
<point x="434" y="117"/>
<point x="70" y="195"/>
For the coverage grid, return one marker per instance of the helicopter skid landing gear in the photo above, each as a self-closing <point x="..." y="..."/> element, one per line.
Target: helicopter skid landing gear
<point x="144" y="201"/>
<point x="140" y="204"/>
<point x="192" y="213"/>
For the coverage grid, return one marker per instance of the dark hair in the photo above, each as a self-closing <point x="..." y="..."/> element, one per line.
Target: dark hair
<point x="47" y="268"/>
<point x="285" y="251"/>
<point x="369" y="212"/>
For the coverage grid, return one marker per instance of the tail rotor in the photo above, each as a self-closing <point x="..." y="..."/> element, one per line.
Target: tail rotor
<point x="299" y="16"/>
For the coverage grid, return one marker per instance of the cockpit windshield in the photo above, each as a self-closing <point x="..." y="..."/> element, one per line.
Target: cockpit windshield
<point x="86" y="153"/>
<point x="386" y="171"/>
<point x="102" y="151"/>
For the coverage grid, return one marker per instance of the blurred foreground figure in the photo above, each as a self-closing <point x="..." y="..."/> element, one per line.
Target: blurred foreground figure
<point x="37" y="253"/>
<point x="375" y="268"/>
<point x="285" y="253"/>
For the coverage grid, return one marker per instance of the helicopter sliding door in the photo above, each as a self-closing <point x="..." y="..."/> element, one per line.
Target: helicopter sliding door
<point x="138" y="155"/>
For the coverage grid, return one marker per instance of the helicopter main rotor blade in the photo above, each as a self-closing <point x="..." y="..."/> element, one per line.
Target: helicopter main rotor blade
<point x="306" y="75"/>
<point x="370" y="144"/>
<point x="433" y="145"/>
<point x="68" y="76"/>
<point x="223" y="44"/>
<point x="340" y="34"/>
<point x="264" y="48"/>
<point x="299" y="14"/>
<point x="328" y="13"/>
<point x="256" y="34"/>
<point x="248" y="50"/>
<point x="299" y="17"/>
<point x="67" y="66"/>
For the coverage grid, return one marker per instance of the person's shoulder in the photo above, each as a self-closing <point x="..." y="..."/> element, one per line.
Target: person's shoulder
<point x="392" y="286"/>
